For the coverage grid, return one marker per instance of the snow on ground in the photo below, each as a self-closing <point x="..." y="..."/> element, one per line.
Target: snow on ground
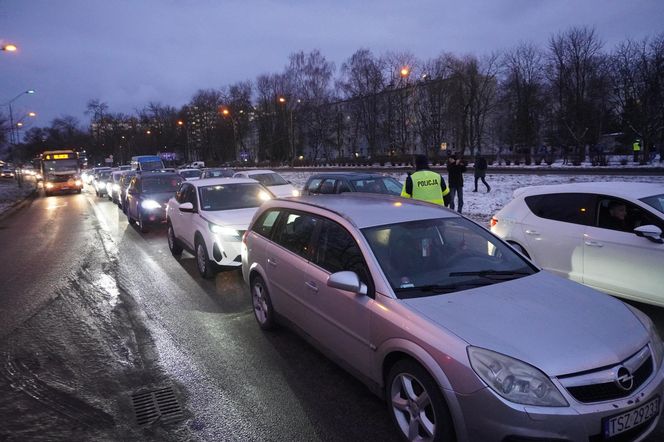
<point x="481" y="206"/>
<point x="11" y="193"/>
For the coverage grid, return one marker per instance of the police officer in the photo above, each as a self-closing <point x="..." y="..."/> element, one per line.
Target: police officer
<point x="425" y="184"/>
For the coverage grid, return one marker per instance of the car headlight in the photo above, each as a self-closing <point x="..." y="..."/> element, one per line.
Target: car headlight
<point x="223" y="230"/>
<point x="116" y="187"/>
<point x="514" y="380"/>
<point x="263" y="195"/>
<point x="150" y="204"/>
<point x="78" y="182"/>
<point x="49" y="185"/>
<point x="295" y="192"/>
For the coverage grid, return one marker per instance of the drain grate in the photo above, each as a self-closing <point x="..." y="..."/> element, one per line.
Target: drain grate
<point x="156" y="406"/>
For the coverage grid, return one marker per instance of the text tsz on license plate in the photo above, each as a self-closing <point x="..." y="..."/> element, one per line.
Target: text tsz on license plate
<point x="625" y="421"/>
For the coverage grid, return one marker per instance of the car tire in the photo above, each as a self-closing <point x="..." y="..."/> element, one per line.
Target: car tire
<point x="262" y="304"/>
<point x="79" y="191"/>
<point x="173" y="246"/>
<point x="408" y="384"/>
<point x="519" y="248"/>
<point x="141" y="223"/>
<point x="203" y="263"/>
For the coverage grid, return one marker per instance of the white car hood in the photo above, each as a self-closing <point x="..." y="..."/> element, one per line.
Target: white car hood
<point x="238" y="219"/>
<point x="557" y="325"/>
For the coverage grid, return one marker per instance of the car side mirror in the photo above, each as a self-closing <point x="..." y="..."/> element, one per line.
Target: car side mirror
<point x="348" y="281"/>
<point x="187" y="207"/>
<point x="653" y="233"/>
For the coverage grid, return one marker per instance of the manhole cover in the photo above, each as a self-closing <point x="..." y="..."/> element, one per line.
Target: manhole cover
<point x="156" y="406"/>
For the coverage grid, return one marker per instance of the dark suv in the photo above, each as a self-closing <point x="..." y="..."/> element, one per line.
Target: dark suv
<point x="327" y="183"/>
<point x="147" y="195"/>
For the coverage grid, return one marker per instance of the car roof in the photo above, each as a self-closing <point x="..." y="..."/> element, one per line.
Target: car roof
<point x="221" y="181"/>
<point x="349" y="175"/>
<point x="627" y="190"/>
<point x="148" y="174"/>
<point x="370" y="209"/>
<point x="254" y="172"/>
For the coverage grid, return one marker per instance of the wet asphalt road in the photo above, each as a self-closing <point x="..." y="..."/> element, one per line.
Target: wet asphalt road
<point x="235" y="381"/>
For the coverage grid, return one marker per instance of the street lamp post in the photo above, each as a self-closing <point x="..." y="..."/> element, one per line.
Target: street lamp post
<point x="291" y="135"/>
<point x="12" y="136"/>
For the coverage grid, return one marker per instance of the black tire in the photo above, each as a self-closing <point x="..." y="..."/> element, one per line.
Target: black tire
<point x="203" y="264"/>
<point x="141" y="223"/>
<point x="47" y="194"/>
<point x="79" y="190"/>
<point x="173" y="246"/>
<point x="262" y="304"/>
<point x="430" y="420"/>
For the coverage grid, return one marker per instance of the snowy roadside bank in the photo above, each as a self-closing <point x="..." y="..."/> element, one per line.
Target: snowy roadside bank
<point x="11" y="194"/>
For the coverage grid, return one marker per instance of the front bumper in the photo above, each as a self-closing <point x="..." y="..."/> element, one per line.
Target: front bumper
<point x="486" y="417"/>
<point x="61" y="187"/>
<point x="225" y="251"/>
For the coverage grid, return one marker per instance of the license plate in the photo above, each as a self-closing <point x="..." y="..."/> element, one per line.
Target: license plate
<point x="620" y="423"/>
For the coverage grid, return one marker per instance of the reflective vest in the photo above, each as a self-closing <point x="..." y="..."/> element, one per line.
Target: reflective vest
<point x="426" y="187"/>
<point x="636" y="147"/>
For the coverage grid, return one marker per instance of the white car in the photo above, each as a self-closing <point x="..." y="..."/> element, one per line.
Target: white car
<point x="604" y="235"/>
<point x="272" y="180"/>
<point x="208" y="218"/>
<point x="190" y="174"/>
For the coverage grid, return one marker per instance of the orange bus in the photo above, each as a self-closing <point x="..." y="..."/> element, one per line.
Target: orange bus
<point x="61" y="171"/>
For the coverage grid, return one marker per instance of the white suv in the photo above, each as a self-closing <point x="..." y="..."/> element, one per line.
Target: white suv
<point x="208" y="218"/>
<point x="605" y="235"/>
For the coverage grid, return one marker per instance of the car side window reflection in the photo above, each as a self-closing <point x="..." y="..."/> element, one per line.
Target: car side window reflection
<point x="264" y="225"/>
<point x="573" y="208"/>
<point x="295" y="233"/>
<point x="336" y="250"/>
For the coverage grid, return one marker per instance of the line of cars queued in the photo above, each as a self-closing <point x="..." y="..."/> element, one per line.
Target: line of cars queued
<point x="461" y="333"/>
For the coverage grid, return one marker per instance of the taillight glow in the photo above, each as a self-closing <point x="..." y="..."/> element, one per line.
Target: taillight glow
<point x="494" y="221"/>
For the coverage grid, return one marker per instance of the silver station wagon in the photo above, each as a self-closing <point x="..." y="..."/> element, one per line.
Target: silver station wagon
<point x="464" y="338"/>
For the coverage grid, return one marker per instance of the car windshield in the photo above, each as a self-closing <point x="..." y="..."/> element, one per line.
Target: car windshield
<point x="151" y="165"/>
<point x="218" y="173"/>
<point x="655" y="201"/>
<point x="386" y="185"/>
<point x="429" y="257"/>
<point x="232" y="196"/>
<point x="159" y="184"/>
<point x="103" y="175"/>
<point x="269" y="179"/>
<point x="190" y="173"/>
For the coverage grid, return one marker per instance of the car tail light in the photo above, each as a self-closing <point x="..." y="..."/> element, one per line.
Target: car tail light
<point x="494" y="221"/>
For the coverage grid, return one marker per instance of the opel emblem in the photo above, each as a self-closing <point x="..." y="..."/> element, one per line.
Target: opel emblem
<point x="624" y="379"/>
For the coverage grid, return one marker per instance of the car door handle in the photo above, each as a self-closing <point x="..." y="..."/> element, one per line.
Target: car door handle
<point x="593" y="243"/>
<point x="272" y="262"/>
<point x="532" y="232"/>
<point x="311" y="285"/>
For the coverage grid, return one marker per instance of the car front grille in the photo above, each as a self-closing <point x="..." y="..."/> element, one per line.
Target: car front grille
<point x="59" y="178"/>
<point x="604" y="386"/>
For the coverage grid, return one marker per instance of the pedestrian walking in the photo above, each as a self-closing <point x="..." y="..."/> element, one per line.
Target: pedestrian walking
<point x="480" y="168"/>
<point x="424" y="184"/>
<point x="455" y="169"/>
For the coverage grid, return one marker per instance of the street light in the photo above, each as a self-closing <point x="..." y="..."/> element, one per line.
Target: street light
<point x="226" y="113"/>
<point x="9" y="48"/>
<point x="12" y="136"/>
<point x="404" y="72"/>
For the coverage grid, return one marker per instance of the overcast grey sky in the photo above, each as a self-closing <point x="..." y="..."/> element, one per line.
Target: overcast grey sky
<point x="130" y="52"/>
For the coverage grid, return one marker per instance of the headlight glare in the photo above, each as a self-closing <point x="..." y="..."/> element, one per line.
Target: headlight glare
<point x="223" y="230"/>
<point x="263" y="195"/>
<point x="295" y="192"/>
<point x="150" y="204"/>
<point x="514" y="380"/>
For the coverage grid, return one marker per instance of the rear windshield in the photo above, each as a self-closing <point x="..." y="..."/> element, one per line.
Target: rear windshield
<point x="269" y="179"/>
<point x="190" y="173"/>
<point x="219" y="173"/>
<point x="160" y="184"/>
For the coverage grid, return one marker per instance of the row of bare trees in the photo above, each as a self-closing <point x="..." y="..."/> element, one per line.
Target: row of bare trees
<point x="560" y="98"/>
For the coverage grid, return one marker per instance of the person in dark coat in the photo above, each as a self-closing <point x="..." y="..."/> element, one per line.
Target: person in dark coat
<point x="455" y="169"/>
<point x="480" y="167"/>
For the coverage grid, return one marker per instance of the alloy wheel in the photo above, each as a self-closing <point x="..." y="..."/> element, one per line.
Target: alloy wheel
<point x="412" y="408"/>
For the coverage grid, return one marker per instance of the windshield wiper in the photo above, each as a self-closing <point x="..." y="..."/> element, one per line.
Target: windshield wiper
<point x="446" y="288"/>
<point x="494" y="274"/>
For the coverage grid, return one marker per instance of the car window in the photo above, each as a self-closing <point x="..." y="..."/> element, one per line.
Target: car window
<point x="265" y="223"/>
<point x="269" y="179"/>
<point x="313" y="185"/>
<point x="574" y="208"/>
<point x="181" y="194"/>
<point x="618" y="214"/>
<point x="327" y="187"/>
<point x="232" y="196"/>
<point x="295" y="233"/>
<point x="374" y="185"/>
<point x="656" y="202"/>
<point x="336" y="250"/>
<point x="342" y="186"/>
<point x="190" y="196"/>
<point x="428" y="257"/>
<point x="157" y="184"/>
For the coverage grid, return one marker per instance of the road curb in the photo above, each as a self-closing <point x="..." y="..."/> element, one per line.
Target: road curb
<point x="19" y="204"/>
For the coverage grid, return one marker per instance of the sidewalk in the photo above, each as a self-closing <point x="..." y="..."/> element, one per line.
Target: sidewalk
<point x="11" y="195"/>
